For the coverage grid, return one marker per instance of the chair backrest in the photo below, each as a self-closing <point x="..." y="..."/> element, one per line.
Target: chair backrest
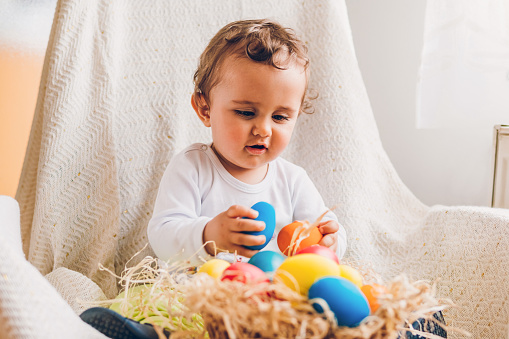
<point x="114" y="106"/>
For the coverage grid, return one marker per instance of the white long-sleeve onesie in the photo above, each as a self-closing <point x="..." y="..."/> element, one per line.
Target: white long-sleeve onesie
<point x="196" y="187"/>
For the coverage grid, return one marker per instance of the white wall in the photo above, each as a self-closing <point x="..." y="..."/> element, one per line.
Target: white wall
<point x="440" y="166"/>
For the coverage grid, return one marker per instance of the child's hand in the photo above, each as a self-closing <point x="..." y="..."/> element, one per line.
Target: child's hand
<point x="225" y="230"/>
<point x="330" y="237"/>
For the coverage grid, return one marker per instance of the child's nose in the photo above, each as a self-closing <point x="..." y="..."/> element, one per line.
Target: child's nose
<point x="262" y="128"/>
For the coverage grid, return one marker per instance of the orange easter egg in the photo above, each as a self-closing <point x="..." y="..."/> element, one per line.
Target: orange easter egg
<point x="372" y="292"/>
<point x="286" y="234"/>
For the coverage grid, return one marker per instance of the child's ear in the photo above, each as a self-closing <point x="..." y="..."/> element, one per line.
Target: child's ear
<point x="201" y="108"/>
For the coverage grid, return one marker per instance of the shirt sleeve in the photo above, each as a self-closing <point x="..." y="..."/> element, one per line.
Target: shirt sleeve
<point x="309" y="205"/>
<point x="175" y="230"/>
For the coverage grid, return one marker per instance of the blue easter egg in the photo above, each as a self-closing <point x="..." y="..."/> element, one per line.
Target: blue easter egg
<point x="344" y="298"/>
<point x="267" y="261"/>
<point x="267" y="214"/>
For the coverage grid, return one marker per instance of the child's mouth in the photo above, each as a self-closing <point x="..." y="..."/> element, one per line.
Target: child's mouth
<point x="256" y="149"/>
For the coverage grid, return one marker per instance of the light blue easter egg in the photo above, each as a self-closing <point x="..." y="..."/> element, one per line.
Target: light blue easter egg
<point x="267" y="261"/>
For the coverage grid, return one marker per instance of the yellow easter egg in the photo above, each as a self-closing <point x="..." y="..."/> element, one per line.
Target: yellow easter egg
<point x="299" y="272"/>
<point x="214" y="267"/>
<point x="351" y="274"/>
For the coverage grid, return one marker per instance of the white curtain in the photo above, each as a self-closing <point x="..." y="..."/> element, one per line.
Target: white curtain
<point x="464" y="75"/>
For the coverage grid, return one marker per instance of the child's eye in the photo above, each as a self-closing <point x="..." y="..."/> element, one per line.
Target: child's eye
<point x="280" y="118"/>
<point x="245" y="114"/>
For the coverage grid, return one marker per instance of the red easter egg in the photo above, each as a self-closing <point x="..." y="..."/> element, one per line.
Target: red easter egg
<point x="320" y="250"/>
<point x="245" y="273"/>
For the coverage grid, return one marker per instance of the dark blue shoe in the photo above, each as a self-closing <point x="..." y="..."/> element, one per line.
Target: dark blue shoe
<point x="431" y="326"/>
<point x="115" y="326"/>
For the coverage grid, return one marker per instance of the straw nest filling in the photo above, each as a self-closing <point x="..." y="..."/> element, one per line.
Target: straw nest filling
<point x="199" y="306"/>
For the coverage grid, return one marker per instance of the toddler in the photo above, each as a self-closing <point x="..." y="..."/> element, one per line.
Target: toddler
<point x="250" y="88"/>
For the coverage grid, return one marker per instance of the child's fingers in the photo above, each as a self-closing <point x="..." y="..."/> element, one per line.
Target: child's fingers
<point x="246" y="225"/>
<point x="239" y="211"/>
<point x="328" y="240"/>
<point x="243" y="239"/>
<point x="327" y="227"/>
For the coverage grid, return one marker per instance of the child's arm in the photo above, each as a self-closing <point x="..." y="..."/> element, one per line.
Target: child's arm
<point x="176" y="227"/>
<point x="308" y="205"/>
<point x="226" y="231"/>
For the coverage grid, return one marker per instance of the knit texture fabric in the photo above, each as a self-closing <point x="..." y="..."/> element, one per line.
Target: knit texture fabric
<point x="114" y="106"/>
<point x="30" y="307"/>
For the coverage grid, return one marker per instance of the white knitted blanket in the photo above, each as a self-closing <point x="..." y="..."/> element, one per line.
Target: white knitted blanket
<point x="114" y="106"/>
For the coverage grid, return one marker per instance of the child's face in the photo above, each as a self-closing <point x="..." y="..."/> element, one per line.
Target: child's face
<point x="253" y="110"/>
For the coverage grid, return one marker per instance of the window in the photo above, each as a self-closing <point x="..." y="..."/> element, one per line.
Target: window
<point x="464" y="75"/>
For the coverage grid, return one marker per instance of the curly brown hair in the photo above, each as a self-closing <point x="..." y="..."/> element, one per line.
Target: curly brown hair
<point x="262" y="41"/>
